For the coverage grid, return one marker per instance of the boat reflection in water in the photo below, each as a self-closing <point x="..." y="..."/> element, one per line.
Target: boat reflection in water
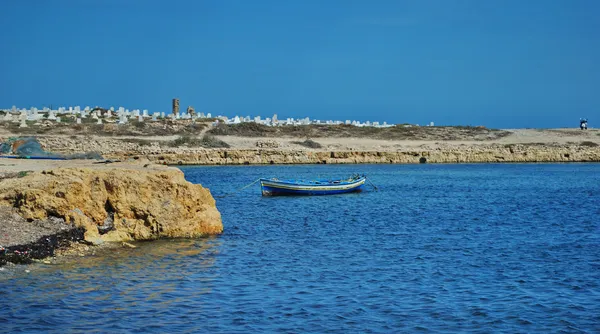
<point x="277" y="187"/>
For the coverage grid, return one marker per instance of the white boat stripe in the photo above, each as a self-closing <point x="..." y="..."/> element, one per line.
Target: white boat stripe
<point x="316" y="187"/>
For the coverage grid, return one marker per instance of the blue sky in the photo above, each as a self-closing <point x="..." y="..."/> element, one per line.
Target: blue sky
<point x="503" y="63"/>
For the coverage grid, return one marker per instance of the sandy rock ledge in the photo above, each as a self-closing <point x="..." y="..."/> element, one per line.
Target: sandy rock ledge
<point x="120" y="202"/>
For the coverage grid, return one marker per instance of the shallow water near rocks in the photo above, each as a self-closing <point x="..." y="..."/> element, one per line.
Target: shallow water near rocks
<point x="440" y="248"/>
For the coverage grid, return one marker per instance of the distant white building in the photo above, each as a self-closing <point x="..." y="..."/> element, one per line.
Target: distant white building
<point x="124" y="114"/>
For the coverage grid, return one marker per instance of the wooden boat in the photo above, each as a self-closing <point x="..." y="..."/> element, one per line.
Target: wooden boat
<point x="275" y="187"/>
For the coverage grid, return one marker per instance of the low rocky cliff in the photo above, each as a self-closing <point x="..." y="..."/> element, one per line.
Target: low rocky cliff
<point x="116" y="203"/>
<point x="446" y="152"/>
<point x="479" y="154"/>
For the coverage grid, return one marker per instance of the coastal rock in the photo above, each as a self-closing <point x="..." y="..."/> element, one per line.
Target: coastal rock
<point x="267" y="143"/>
<point x="476" y="154"/>
<point x="586" y="148"/>
<point x="121" y="203"/>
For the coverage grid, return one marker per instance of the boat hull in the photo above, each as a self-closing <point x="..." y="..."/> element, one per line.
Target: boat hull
<point x="275" y="188"/>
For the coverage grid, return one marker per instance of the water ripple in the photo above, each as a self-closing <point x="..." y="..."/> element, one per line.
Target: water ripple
<point x="440" y="248"/>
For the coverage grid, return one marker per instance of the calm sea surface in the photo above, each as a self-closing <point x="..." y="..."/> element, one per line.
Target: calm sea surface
<point x="438" y="248"/>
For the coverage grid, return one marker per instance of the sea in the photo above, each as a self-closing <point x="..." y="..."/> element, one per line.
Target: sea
<point x="428" y="248"/>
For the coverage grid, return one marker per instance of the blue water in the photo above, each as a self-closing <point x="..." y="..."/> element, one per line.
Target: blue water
<point x="438" y="248"/>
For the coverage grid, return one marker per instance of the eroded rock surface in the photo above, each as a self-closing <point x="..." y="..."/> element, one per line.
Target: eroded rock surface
<point x="116" y="204"/>
<point x="521" y="146"/>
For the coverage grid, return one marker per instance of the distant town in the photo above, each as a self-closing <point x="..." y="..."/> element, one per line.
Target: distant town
<point x="124" y="116"/>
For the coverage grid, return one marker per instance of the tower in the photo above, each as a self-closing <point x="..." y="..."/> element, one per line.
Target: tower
<point x="175" y="106"/>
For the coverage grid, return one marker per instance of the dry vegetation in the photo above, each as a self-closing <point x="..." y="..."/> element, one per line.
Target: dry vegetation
<point x="167" y="127"/>
<point x="68" y="126"/>
<point x="308" y="143"/>
<point x="397" y="132"/>
<point x="206" y="141"/>
<point x="588" y="144"/>
<point x="564" y="132"/>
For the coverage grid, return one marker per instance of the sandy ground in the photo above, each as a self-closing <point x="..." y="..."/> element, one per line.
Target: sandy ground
<point x="517" y="136"/>
<point x="111" y="144"/>
<point x="8" y="166"/>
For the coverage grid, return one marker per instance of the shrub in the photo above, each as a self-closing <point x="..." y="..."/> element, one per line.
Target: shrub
<point x="23" y="173"/>
<point x="212" y="142"/>
<point x="242" y="129"/>
<point x="197" y="127"/>
<point x="206" y="141"/>
<point x="588" y="144"/>
<point x="184" y="140"/>
<point x="308" y="143"/>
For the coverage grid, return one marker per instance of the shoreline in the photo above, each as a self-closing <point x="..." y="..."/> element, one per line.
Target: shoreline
<point x="149" y="160"/>
<point x="515" y="145"/>
<point x="514" y="154"/>
<point x="400" y="164"/>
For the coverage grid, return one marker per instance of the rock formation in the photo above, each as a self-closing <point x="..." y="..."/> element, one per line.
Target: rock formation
<point x="267" y="151"/>
<point x="116" y="204"/>
<point x="274" y="156"/>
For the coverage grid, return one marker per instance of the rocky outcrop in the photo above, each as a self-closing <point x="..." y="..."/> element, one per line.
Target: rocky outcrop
<point x="513" y="153"/>
<point x="447" y="152"/>
<point x="116" y="203"/>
